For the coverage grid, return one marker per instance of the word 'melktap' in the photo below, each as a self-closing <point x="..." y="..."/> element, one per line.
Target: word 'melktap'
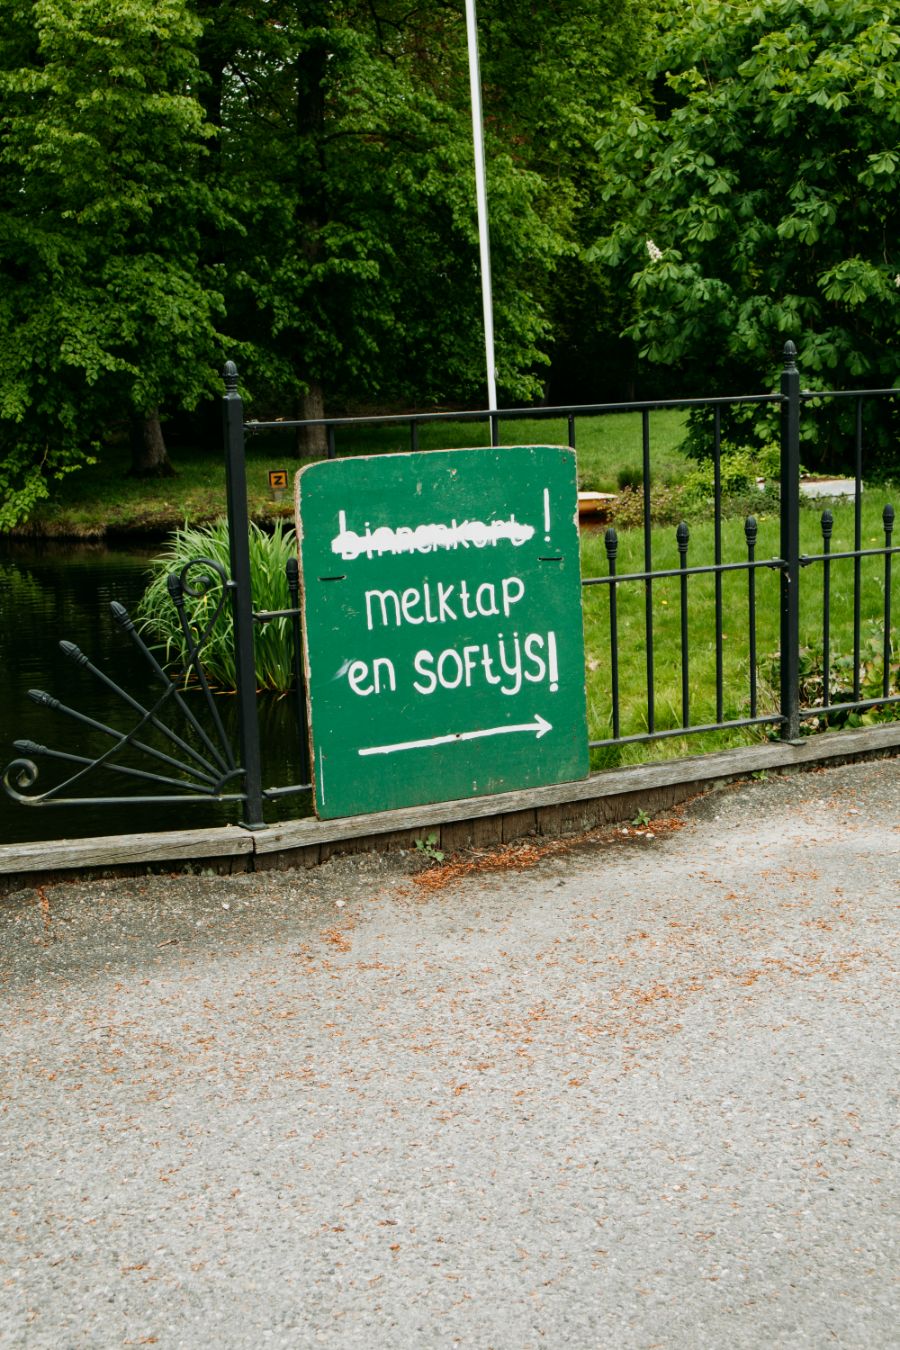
<point x="442" y="603"/>
<point x="426" y="538"/>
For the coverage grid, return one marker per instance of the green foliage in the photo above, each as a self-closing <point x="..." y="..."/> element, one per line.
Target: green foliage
<point x="158" y="617"/>
<point x="758" y="196"/>
<point x="739" y="473"/>
<point x="292" y="182"/>
<point x="104" y="309"/>
<point x="693" y="499"/>
<point x="667" y="506"/>
<point x="632" y="476"/>
<point x="840" y="680"/>
<point x="427" y="848"/>
<point x="346" y="148"/>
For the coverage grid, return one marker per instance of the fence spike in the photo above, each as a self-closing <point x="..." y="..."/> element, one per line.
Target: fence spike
<point x="611" y="540"/>
<point x="43" y="699"/>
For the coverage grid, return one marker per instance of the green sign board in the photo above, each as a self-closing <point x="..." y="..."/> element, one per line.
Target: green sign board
<point x="442" y="622"/>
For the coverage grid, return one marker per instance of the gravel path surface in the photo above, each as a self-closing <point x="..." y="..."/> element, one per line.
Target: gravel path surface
<point x="636" y="1092"/>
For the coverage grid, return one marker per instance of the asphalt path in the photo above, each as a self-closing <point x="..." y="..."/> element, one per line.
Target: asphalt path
<point x="635" y="1091"/>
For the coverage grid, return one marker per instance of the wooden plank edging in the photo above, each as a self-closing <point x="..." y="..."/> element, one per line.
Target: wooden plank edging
<point x="227" y="841"/>
<point x="118" y="849"/>
<point x="697" y="769"/>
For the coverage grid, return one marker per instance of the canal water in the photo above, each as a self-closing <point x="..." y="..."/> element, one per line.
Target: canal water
<point x="51" y="591"/>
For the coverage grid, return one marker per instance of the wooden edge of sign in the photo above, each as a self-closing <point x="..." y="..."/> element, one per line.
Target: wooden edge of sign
<point x="112" y="850"/>
<point x="635" y="778"/>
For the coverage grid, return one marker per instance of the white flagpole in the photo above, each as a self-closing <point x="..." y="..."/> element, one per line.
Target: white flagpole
<point x="484" y="242"/>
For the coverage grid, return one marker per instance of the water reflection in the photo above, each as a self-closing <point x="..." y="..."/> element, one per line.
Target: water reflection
<point x="51" y="591"/>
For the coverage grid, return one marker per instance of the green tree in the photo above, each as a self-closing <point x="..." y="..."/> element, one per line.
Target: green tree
<point x="758" y="192"/>
<point x="346" y="148"/>
<point x="550" y="75"/>
<point x="105" y="313"/>
<point x="293" y="181"/>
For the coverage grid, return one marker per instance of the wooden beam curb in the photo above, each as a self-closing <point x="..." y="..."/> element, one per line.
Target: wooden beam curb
<point x="117" y="849"/>
<point x="697" y="769"/>
<point x="498" y="818"/>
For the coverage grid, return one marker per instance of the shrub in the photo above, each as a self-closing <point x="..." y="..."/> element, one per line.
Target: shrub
<point x="666" y="506"/>
<point x="630" y="477"/>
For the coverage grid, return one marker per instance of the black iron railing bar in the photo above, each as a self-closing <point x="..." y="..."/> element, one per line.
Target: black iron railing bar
<point x="611" y="543"/>
<point x="717" y="554"/>
<point x="126" y="623"/>
<point x="648" y="569"/>
<point x="773" y="720"/>
<point x="147" y="715"/>
<point x="807" y="558"/>
<point x="683" y="535"/>
<point x="53" y="704"/>
<point x="829" y="708"/>
<point x="827" y="523"/>
<point x="772" y="563"/>
<point x="543" y="413"/>
<point x="857" y="545"/>
<point x="33" y="748"/>
<point x="121" y="801"/>
<point x="751" y="530"/>
<point x="887" y="517"/>
<point x="292" y="574"/>
<point x="808" y="395"/>
<point x="267" y="615"/>
<point x="178" y="587"/>
<point x="270" y="793"/>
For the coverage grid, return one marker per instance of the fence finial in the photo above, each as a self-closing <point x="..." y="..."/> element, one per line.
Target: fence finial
<point x="790" y="355"/>
<point x="887" y="518"/>
<point x="230" y="376"/>
<point x="682" y="537"/>
<point x="611" y="539"/>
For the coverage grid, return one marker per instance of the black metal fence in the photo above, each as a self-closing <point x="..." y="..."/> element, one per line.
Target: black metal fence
<point x="725" y="700"/>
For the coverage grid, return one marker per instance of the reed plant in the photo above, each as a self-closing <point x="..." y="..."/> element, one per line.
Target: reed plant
<point x="158" y="617"/>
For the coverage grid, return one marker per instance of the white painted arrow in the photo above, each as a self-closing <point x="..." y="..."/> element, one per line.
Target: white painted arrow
<point x="540" y="726"/>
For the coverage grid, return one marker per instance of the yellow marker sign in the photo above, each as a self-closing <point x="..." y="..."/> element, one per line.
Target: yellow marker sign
<point x="278" y="479"/>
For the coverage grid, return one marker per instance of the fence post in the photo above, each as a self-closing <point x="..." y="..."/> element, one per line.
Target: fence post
<point x="790" y="545"/>
<point x="242" y="597"/>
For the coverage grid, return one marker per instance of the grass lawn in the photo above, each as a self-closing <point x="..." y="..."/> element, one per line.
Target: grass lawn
<point x="735" y="627"/>
<point x="100" y="499"/>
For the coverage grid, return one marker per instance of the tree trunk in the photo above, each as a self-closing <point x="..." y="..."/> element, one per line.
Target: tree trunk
<point x="148" y="448"/>
<point x="312" y="442"/>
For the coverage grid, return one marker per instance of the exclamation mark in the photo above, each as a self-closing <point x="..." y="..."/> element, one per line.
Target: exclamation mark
<point x="547" y="515"/>
<point x="552" y="662"/>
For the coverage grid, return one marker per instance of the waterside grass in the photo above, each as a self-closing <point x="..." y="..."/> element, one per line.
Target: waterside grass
<point x="101" y="501"/>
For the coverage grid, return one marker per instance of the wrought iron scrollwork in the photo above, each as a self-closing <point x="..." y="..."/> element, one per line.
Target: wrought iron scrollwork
<point x="193" y="763"/>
